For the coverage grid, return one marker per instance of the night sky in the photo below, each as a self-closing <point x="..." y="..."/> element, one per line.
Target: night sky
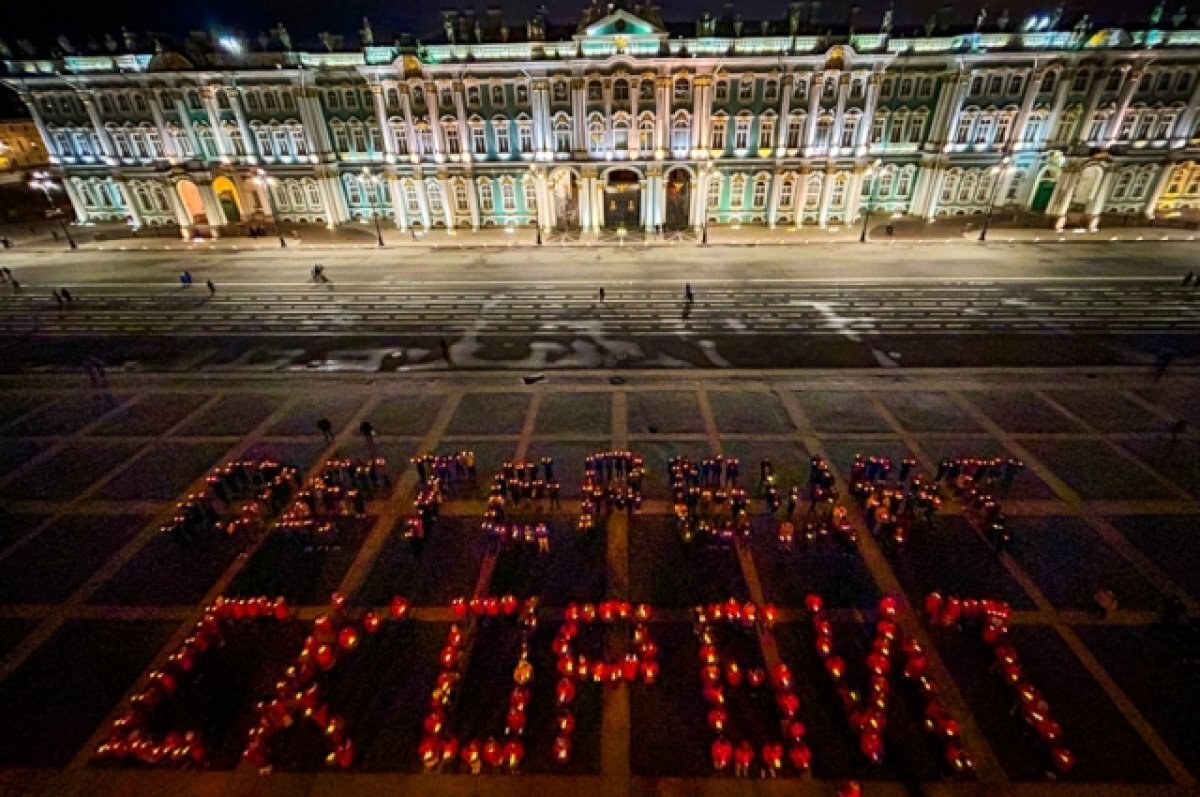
<point x="305" y="18"/>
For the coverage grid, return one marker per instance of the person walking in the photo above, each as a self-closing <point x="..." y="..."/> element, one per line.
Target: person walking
<point x="688" y="296"/>
<point x="601" y="296"/>
<point x="368" y="432"/>
<point x="326" y="428"/>
<point x="212" y="289"/>
<point x="1187" y="280"/>
<point x="57" y="297"/>
<point x="66" y="295"/>
<point x="445" y="350"/>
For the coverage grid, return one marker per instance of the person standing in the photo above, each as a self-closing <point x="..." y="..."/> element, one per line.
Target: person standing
<point x="688" y="296"/>
<point x="601" y="296"/>
<point x="326" y="428"/>
<point x="368" y="432"/>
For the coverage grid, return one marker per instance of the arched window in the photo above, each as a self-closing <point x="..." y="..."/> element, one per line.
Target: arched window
<point x="142" y="195"/>
<point x="741" y="130"/>
<point x="883" y="189"/>
<point x="139" y="103"/>
<point x="787" y="193"/>
<point x="161" y="203"/>
<point x="1141" y="183"/>
<point x="299" y="142"/>
<point x="681" y="129"/>
<point x="508" y="195"/>
<point x="758" y="199"/>
<point x="967" y="187"/>
<point x="646" y="90"/>
<point x="596" y="136"/>
<point x="358" y="136"/>
<point x="1081" y="80"/>
<point x="1121" y="188"/>
<point x="621" y="90"/>
<point x="986" y="183"/>
<point x="646" y="132"/>
<point x="500" y="132"/>
<point x="450" y="132"/>
<point x="771" y="90"/>
<point x="462" y="204"/>
<point x="837" y="197"/>
<point x="812" y="191"/>
<point x="562" y="134"/>
<point x="795" y="132"/>
<point x="713" y="200"/>
<point x="905" y="183"/>
<point x="683" y="90"/>
<point x="766" y="131"/>
<point x="595" y="91"/>
<point x="1049" y="81"/>
<point x="737" y="192"/>
<point x="297" y="195"/>
<point x="824" y="132"/>
<point x="353" y="189"/>
<point x="850" y="128"/>
<point x="487" y="200"/>
<point x="950" y="185"/>
<point x="437" y="202"/>
<point x="620" y="132"/>
<point x="314" y="193"/>
<point x="123" y="103"/>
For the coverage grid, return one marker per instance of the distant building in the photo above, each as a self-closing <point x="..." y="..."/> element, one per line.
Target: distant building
<point x="626" y="121"/>
<point x="21" y="146"/>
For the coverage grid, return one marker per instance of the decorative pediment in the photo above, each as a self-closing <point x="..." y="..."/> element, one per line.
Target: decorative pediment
<point x="622" y="23"/>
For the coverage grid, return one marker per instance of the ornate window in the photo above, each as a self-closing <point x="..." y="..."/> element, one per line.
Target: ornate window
<point x="741" y="131"/>
<point x="353" y="189"/>
<point x="462" y="204"/>
<point x="525" y="134"/>
<point x="497" y="94"/>
<point x="559" y="91"/>
<point x="453" y="140"/>
<point x="299" y="142"/>
<point x="646" y="132"/>
<point x="837" y="197"/>
<point x="683" y="89"/>
<point x="522" y="94"/>
<point x="646" y="90"/>
<point x="795" y="134"/>
<point x="766" y="132"/>
<point x="478" y="137"/>
<point x="758" y="198"/>
<point x="620" y="132"/>
<point x="500" y="131"/>
<point x="717" y="133"/>
<point x="787" y="193"/>
<point x="621" y="90"/>
<point x="905" y="183"/>
<point x="771" y="90"/>
<point x="849" y="129"/>
<point x="746" y="88"/>
<point x="473" y="98"/>
<point x="713" y="200"/>
<point x="508" y="195"/>
<point x="595" y="91"/>
<point x="737" y="192"/>
<point x="721" y="92"/>
<point x="950" y="185"/>
<point x="681" y="129"/>
<point x="596" y="135"/>
<point x="562" y="134"/>
<point x="529" y="187"/>
<point x="437" y="203"/>
<point x="487" y="199"/>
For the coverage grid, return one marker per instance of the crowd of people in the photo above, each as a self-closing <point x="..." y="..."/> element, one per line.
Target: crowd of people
<point x="341" y="489"/>
<point x="975" y="481"/>
<point x="612" y="480"/>
<point x="892" y="505"/>
<point x="264" y="485"/>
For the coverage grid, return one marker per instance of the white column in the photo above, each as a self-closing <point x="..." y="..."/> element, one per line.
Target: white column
<point x="786" y="85"/>
<point x="699" y="108"/>
<point x="1061" y="89"/>
<point x="160" y="122"/>
<point x="460" y="110"/>
<point x="773" y="200"/>
<point x="839" y="114"/>
<point x="579" y="115"/>
<point x="128" y="200"/>
<point x="396" y="191"/>
<point x="1089" y="111"/>
<point x="1160" y="185"/>
<point x="1060" y="202"/>
<point x="585" y="202"/>
<point x="1096" y="206"/>
<point x="1183" y="125"/>
<point x="473" y="201"/>
<point x="826" y="190"/>
<point x="310" y="102"/>
<point x="185" y="124"/>
<point x="863" y="134"/>
<point x="76" y="200"/>
<point x="660" y="201"/>
<point x="815" y="88"/>
<point x="414" y="141"/>
<point x="182" y="218"/>
<point x="447" y="202"/>
<point x="423" y="201"/>
<point x="208" y="94"/>
<point x="954" y="111"/>
<point x="385" y="129"/>
<point x="35" y="114"/>
<point x="1127" y="90"/>
<point x="854" y="188"/>
<point x="662" y="113"/>
<point x="1018" y="129"/>
<point x="598" y="206"/>
<point x="106" y="144"/>
<point x="212" y="206"/>
<point x="435" y="121"/>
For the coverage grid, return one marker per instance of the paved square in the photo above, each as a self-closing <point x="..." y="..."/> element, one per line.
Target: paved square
<point x="92" y="597"/>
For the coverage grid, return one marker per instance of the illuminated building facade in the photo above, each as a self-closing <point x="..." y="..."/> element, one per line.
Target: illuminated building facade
<point x="621" y="122"/>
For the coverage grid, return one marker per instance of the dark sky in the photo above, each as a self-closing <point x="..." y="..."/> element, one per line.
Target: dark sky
<point x="305" y="18"/>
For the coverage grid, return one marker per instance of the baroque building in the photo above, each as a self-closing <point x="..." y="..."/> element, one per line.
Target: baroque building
<point x="626" y="122"/>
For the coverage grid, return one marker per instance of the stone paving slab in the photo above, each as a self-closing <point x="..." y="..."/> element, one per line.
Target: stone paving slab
<point x="69" y="471"/>
<point x="384" y="694"/>
<point x="65" y="415"/>
<point x="1171" y="541"/>
<point x="152" y="415"/>
<point x="1021" y="411"/>
<point x="1108" y="412"/>
<point x="53" y="565"/>
<point x="15" y="453"/>
<point x="1070" y="563"/>
<point x="233" y="415"/>
<point x="1148" y="665"/>
<point x="52" y="702"/>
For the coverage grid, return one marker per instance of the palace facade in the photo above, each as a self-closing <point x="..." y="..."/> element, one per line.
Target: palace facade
<point x="622" y="122"/>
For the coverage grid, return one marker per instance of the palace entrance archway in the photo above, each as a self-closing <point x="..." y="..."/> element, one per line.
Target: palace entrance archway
<point x="622" y="200"/>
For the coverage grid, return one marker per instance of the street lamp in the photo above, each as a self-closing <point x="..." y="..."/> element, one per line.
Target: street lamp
<point x="265" y="180"/>
<point x="873" y="174"/>
<point x="987" y="220"/>
<point x="41" y="181"/>
<point x="365" y="179"/>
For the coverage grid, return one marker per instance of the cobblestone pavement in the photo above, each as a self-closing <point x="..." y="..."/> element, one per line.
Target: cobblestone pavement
<point x="93" y="597"/>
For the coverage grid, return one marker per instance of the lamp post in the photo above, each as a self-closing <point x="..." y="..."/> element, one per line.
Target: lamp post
<point x="873" y="173"/>
<point x="987" y="220"/>
<point x="370" y="184"/>
<point x="41" y="181"/>
<point x="265" y="180"/>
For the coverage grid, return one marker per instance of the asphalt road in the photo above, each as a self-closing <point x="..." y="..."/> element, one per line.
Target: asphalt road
<point x="800" y="306"/>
